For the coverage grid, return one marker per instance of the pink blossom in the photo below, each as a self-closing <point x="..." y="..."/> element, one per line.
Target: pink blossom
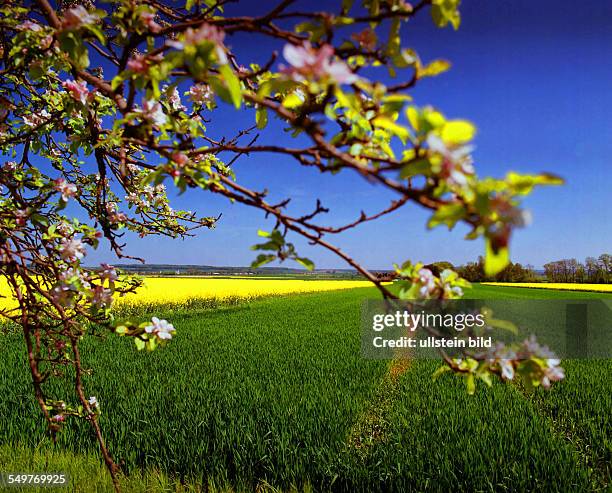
<point x="113" y="214"/>
<point x="137" y="201"/>
<point x="138" y="64"/>
<point x="102" y="297"/>
<point x="452" y="291"/>
<point x="45" y="42"/>
<point x="71" y="275"/>
<point x="308" y="63"/>
<point x="502" y="357"/>
<point x="531" y="347"/>
<point x="63" y="294"/>
<point x="36" y="119"/>
<point x="148" y="19"/>
<point x="456" y="167"/>
<point x="64" y="229"/>
<point x="174" y="98"/>
<point x="132" y="198"/>
<point x="29" y="26"/>
<point x="78" y="16"/>
<point x="180" y="159"/>
<point x="68" y="274"/>
<point x="552" y="373"/>
<point x="134" y="169"/>
<point x="58" y="418"/>
<point x="201" y="93"/>
<point x="66" y="189"/>
<point x="427" y="281"/>
<point x="205" y="33"/>
<point x="21" y="215"/>
<point x="78" y="90"/>
<point x="108" y="272"/>
<point x="72" y="249"/>
<point x="118" y="217"/>
<point x="10" y="166"/>
<point x="152" y="111"/>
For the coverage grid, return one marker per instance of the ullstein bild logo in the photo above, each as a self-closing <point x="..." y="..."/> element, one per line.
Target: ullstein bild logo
<point x="571" y="328"/>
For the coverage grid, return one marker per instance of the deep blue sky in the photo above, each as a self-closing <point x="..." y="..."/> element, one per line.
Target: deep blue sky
<point x="536" y="79"/>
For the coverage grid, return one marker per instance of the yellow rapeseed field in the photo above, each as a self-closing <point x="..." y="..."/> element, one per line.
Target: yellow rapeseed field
<point x="567" y="286"/>
<point x="175" y="290"/>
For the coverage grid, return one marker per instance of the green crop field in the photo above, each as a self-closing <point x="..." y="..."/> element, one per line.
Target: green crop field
<point x="275" y="394"/>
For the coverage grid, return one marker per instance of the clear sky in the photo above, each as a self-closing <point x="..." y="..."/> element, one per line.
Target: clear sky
<point x="536" y="79"/>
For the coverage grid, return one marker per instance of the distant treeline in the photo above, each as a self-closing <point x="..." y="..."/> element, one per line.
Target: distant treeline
<point x="593" y="270"/>
<point x="513" y="272"/>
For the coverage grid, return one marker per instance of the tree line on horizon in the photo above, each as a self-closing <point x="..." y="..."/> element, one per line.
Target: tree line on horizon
<point x="593" y="270"/>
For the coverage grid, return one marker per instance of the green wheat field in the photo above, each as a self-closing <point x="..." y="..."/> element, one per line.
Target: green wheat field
<point x="274" y="395"/>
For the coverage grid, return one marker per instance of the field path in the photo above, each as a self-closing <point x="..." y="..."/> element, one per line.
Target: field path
<point x="370" y="427"/>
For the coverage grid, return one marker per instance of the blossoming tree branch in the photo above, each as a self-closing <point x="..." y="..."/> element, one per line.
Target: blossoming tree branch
<point x="103" y="106"/>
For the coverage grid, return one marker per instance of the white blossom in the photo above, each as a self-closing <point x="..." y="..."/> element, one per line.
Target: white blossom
<point x="72" y="249"/>
<point x="161" y="329"/>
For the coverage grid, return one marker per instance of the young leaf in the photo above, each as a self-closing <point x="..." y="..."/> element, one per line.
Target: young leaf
<point x="309" y="264"/>
<point x="434" y="68"/>
<point x="261" y="117"/>
<point x="262" y="260"/>
<point x="233" y="84"/>
<point x="458" y="132"/>
<point x="495" y="261"/>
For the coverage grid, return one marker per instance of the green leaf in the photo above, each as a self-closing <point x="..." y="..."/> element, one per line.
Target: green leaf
<point x="292" y="100"/>
<point x="36" y="71"/>
<point x="440" y="370"/>
<point x="309" y="264"/>
<point x="503" y="325"/>
<point x="458" y="132"/>
<point x="121" y="329"/>
<point x="414" y="117"/>
<point x="116" y="82"/>
<point x="495" y="261"/>
<point x="444" y="12"/>
<point x="523" y="184"/>
<point x="447" y="214"/>
<point x="261" y="117"/>
<point x="262" y="260"/>
<point x="220" y="89"/>
<point x="233" y="84"/>
<point x="434" y="68"/>
<point x="394" y="128"/>
<point x="346" y="5"/>
<point x="486" y="378"/>
<point x="151" y="344"/>
<point x="140" y="344"/>
<point x="470" y="383"/>
<point x="75" y="48"/>
<point x="414" y="168"/>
